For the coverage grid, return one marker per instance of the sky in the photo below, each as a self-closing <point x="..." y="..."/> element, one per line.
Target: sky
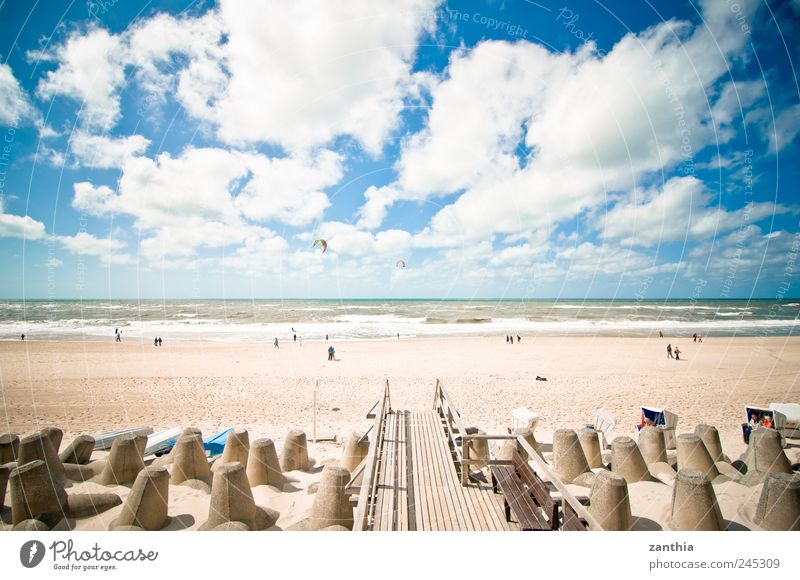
<point x="501" y="149"/>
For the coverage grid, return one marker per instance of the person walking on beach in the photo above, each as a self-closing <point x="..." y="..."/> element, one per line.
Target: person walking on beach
<point x="295" y="337"/>
<point x="677" y="353"/>
<point x="660" y="334"/>
<point x="330" y="353"/>
<point x="159" y="341"/>
<point x="512" y="339"/>
<point x="119" y="336"/>
<point x="155" y="341"/>
<point x="694" y="337"/>
<point x="506" y="339"/>
<point x="23" y="337"/>
<point x="519" y="339"/>
<point x="275" y="344"/>
<point x="669" y="351"/>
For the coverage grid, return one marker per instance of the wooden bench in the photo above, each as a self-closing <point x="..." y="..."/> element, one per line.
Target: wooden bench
<point x="527" y="496"/>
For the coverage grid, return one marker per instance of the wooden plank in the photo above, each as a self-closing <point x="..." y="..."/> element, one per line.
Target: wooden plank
<point x="421" y="497"/>
<point x="435" y="500"/>
<point x="410" y="480"/>
<point x="446" y="475"/>
<point x="401" y="477"/>
<point x="361" y="516"/>
<point x="384" y="510"/>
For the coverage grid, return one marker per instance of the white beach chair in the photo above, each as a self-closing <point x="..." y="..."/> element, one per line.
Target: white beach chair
<point x="604" y="423"/>
<point x="522" y="418"/>
<point x="787" y="413"/>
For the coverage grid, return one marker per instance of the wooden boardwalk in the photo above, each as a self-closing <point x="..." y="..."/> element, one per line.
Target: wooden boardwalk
<point x="418" y="486"/>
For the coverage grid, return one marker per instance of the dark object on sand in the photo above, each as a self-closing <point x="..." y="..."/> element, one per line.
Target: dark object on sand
<point x="538" y="378"/>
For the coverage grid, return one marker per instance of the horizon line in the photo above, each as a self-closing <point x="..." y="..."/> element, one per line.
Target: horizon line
<point x="423" y="299"/>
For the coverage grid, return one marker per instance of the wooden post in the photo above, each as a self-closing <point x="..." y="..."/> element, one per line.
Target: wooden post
<point x="314" y="433"/>
<point x="465" y="445"/>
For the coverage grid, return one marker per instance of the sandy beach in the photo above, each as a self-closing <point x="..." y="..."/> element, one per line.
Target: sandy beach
<point x="93" y="387"/>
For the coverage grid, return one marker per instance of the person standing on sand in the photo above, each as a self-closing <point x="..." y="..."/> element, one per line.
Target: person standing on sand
<point x="275" y="344"/>
<point x="512" y="339"/>
<point x="330" y="353"/>
<point x="669" y="351"/>
<point x="23" y="337"/>
<point x="519" y="339"/>
<point x="660" y="334"/>
<point x="155" y="341"/>
<point x="119" y="336"/>
<point x="677" y="353"/>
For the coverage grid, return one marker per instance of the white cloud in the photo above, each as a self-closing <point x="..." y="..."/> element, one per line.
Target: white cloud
<point x="91" y="70"/>
<point x="289" y="190"/>
<point x="87" y="244"/>
<point x="293" y="73"/>
<point x="787" y="126"/>
<point x="681" y="209"/>
<point x="53" y="262"/>
<point x="105" y="152"/>
<point x="14" y="105"/>
<point x="25" y="227"/>
<point x="96" y="201"/>
<point x="303" y="72"/>
<point x="528" y="138"/>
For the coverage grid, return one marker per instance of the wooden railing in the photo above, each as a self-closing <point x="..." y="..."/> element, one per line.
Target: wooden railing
<point x="364" y="515"/>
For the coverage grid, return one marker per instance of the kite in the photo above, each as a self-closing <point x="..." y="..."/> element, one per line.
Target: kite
<point x="322" y="243"/>
<point x="400" y="264"/>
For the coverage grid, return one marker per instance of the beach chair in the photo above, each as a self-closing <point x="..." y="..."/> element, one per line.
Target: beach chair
<point x="215" y="444"/>
<point x="789" y="412"/>
<point x="522" y="418"/>
<point x="665" y="420"/>
<point x="604" y="423"/>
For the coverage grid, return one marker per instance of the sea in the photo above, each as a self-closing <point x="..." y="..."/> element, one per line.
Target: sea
<point x="314" y="320"/>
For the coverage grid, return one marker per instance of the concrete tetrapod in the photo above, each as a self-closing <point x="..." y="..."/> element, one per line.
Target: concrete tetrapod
<point x="294" y="455"/>
<point x="779" y="505"/>
<point x="262" y="466"/>
<point x="79" y="451"/>
<point x="5" y="472"/>
<point x="710" y="437"/>
<point x="569" y="460"/>
<point x="237" y="448"/>
<point x="627" y="460"/>
<point x="693" y="454"/>
<point x="590" y="443"/>
<point x="40" y="446"/>
<point x="355" y="450"/>
<point x="55" y="435"/>
<point x="232" y="501"/>
<point x="694" y="503"/>
<point x="189" y="460"/>
<point x="84" y="505"/>
<point x="9" y="448"/>
<point x="764" y="455"/>
<point x="530" y="438"/>
<point x="653" y="445"/>
<point x="610" y="503"/>
<point x="35" y="492"/>
<point x="124" y="461"/>
<point x="331" y="504"/>
<point x="146" y="506"/>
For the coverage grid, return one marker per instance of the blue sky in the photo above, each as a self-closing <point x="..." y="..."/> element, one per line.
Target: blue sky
<point x="502" y="149"/>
